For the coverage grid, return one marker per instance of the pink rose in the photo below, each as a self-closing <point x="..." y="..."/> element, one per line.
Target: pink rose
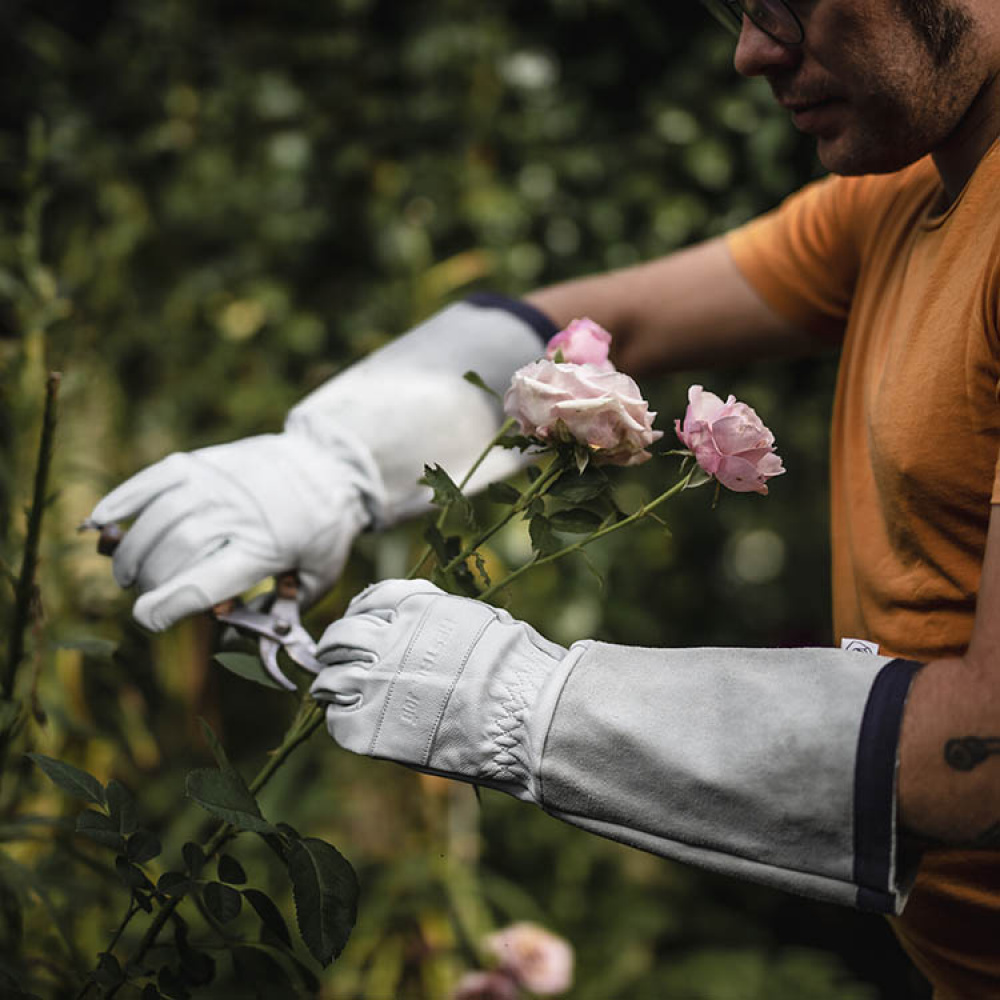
<point x="604" y="411"/>
<point x="496" y="985"/>
<point x="539" y="960"/>
<point x="583" y="342"/>
<point x="729" y="441"/>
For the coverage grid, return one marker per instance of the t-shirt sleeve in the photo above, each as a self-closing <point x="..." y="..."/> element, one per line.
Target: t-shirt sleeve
<point x="803" y="257"/>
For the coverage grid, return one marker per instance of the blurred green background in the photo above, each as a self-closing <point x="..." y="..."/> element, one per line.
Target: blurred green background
<point x="207" y="209"/>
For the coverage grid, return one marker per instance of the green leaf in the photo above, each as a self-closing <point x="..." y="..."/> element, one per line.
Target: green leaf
<point x="464" y="580"/>
<point x="197" y="967"/>
<point x="698" y="478"/>
<point x="446" y="494"/>
<point x="533" y="473"/>
<point x="131" y="875"/>
<point x="194" y="857"/>
<point x="142" y="846"/>
<point x="575" y="487"/>
<point x="543" y="540"/>
<point x="477" y="381"/>
<point x="481" y="566"/>
<point x="575" y="520"/>
<point x="270" y="915"/>
<point x="71" y="779"/>
<point x="230" y="870"/>
<point x="222" y="901"/>
<point x="520" y="441"/>
<point x="108" y="972"/>
<point x="581" y="456"/>
<point x="171" y="984"/>
<point x="249" y="667"/>
<point x="325" y="889"/>
<point x="100" y="828"/>
<point x="225" y="795"/>
<point x="122" y="807"/>
<point x="502" y="493"/>
<point x="174" y="884"/>
<point x="436" y="541"/>
<point x="150" y="992"/>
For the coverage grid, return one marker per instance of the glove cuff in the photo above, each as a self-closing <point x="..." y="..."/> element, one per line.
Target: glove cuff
<point x="774" y="765"/>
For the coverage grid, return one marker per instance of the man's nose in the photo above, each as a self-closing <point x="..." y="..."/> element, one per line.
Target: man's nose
<point x="758" y="54"/>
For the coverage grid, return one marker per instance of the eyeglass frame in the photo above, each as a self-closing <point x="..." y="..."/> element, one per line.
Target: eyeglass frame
<point x="739" y="8"/>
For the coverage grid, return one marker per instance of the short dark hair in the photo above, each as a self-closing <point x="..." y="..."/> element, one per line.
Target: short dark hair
<point x="940" y="24"/>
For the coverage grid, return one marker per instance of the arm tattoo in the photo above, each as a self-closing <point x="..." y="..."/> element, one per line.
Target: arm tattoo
<point x="969" y="752"/>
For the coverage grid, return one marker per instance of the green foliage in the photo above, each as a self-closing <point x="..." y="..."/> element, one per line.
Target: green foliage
<point x="326" y="896"/>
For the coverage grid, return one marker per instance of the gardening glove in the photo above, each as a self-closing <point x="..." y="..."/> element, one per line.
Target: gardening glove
<point x="773" y="765"/>
<point x="212" y="523"/>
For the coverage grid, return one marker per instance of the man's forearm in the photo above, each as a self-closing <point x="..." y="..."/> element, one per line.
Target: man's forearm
<point x="949" y="770"/>
<point x="687" y="309"/>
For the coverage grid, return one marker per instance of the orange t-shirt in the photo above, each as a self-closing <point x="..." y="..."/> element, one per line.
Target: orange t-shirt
<point x="912" y="295"/>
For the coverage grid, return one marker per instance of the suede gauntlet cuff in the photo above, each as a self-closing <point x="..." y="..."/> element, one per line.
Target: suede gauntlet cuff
<point x="773" y="765"/>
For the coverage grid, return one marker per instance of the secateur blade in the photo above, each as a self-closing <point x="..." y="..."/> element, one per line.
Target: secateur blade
<point x="276" y="624"/>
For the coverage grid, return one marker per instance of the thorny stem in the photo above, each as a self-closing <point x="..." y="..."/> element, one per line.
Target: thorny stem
<point x="26" y="581"/>
<point x="642" y="512"/>
<point x="505" y="428"/>
<point x="129" y="914"/>
<point x="535" y="489"/>
<point x="307" y="720"/>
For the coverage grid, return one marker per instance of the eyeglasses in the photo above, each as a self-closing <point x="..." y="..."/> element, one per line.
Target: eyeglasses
<point x="773" y="17"/>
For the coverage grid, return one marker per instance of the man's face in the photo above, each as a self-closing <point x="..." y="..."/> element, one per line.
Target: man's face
<point x="879" y="83"/>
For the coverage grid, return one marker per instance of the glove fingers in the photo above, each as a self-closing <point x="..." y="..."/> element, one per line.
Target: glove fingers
<point x="382" y="598"/>
<point x="342" y="686"/>
<point x="166" y="536"/>
<point x="134" y="494"/>
<point x="216" y="578"/>
<point x="361" y="634"/>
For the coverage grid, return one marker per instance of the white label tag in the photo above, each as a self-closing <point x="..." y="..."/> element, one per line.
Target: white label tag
<point x="859" y="646"/>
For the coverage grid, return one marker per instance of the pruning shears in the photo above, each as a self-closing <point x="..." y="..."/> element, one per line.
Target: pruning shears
<point x="273" y="620"/>
<point x="275" y="626"/>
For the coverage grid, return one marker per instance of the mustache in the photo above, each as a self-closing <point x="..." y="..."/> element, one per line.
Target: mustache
<point x="789" y="96"/>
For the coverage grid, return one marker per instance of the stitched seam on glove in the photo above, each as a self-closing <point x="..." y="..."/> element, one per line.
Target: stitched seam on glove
<point x="387" y="700"/>
<point x="451" y="688"/>
<point x="519" y="683"/>
<point x="576" y="652"/>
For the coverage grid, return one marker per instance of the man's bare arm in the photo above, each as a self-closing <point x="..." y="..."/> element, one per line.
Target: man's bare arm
<point x="949" y="775"/>
<point x="688" y="309"/>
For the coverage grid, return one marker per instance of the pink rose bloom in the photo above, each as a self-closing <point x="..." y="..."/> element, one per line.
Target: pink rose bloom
<point x="540" y="961"/>
<point x="604" y="411"/>
<point x="583" y="342"/>
<point x="729" y="441"/>
<point x="494" y="985"/>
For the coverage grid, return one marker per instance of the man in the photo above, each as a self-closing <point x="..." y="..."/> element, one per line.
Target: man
<point x="816" y="770"/>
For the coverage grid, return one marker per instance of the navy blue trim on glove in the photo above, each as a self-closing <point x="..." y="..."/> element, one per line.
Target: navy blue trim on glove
<point x="529" y="314"/>
<point x="875" y="785"/>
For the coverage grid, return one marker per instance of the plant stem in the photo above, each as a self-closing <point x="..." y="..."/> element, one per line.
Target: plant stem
<point x="505" y="428"/>
<point x="129" y="914"/>
<point x="26" y="581"/>
<point x="535" y="489"/>
<point x="600" y="533"/>
<point x="307" y="720"/>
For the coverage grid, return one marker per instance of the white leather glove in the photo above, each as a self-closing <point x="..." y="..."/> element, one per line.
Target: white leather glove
<point x="775" y="765"/>
<point x="445" y="684"/>
<point x="212" y="523"/>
